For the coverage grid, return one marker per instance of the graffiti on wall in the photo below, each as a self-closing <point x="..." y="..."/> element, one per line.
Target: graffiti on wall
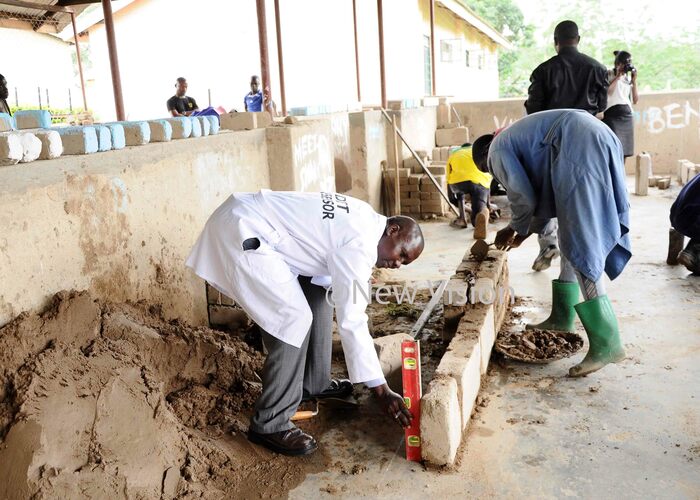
<point x="314" y="162"/>
<point x="506" y="121"/>
<point x="676" y="115"/>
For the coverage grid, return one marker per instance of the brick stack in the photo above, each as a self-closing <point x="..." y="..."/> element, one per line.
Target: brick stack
<point x="431" y="203"/>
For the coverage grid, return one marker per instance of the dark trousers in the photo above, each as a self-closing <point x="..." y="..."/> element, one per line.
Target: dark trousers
<point x="479" y="196"/>
<point x="288" y="371"/>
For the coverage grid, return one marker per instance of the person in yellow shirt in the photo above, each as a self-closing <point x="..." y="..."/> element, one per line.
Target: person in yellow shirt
<point x="464" y="178"/>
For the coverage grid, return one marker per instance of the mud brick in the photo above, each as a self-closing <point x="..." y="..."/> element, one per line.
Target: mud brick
<point x="438" y="169"/>
<point x="414" y="179"/>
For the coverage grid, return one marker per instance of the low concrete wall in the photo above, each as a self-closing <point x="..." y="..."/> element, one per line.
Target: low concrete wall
<point x="301" y="156"/>
<point x="667" y="124"/>
<point x="478" y="297"/>
<point x="120" y="223"/>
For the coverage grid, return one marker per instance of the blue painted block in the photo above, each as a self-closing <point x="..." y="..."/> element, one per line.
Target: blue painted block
<point x="32" y="118"/>
<point x="196" y="127"/>
<point x="104" y="138"/>
<point x="204" y="123"/>
<point x="213" y="124"/>
<point x="182" y="126"/>
<point x="7" y="123"/>
<point x="135" y="133"/>
<point x="161" y="130"/>
<point x="78" y="140"/>
<point x="117" y="132"/>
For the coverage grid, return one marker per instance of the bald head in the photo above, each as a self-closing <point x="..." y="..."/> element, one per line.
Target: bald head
<point x="401" y="243"/>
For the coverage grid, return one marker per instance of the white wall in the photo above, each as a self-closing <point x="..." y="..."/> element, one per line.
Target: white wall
<point x="29" y="60"/>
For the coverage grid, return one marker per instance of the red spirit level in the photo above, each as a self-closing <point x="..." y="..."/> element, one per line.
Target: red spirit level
<point x="412" y="392"/>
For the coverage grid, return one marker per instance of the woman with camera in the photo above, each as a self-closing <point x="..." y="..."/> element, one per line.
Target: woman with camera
<point x="622" y="93"/>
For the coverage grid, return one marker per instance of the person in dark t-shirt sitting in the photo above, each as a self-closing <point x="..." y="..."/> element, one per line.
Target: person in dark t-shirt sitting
<point x="180" y="104"/>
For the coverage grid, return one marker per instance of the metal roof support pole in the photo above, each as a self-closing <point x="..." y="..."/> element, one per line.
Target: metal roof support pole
<point x="264" y="59"/>
<point x="113" y="60"/>
<point x="280" y="59"/>
<point x="432" y="44"/>
<point x="80" y="64"/>
<point x="357" y="51"/>
<point x="382" y="71"/>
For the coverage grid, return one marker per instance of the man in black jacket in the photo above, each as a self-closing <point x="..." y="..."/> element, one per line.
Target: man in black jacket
<point x="568" y="80"/>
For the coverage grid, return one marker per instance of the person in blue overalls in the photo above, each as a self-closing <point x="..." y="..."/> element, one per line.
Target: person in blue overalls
<point x="567" y="164"/>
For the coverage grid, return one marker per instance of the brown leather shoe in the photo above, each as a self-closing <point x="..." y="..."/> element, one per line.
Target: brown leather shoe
<point x="293" y="442"/>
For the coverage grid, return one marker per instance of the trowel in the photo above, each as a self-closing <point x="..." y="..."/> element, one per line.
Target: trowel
<point x="480" y="249"/>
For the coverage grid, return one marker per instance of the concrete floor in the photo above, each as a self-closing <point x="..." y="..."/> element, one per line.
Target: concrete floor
<point x="631" y="430"/>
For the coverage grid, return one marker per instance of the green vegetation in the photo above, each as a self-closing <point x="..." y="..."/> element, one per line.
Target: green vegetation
<point x="665" y="62"/>
<point x="58" y="115"/>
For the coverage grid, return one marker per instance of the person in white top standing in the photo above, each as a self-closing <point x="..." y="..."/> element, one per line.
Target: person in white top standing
<point x="622" y="93"/>
<point x="276" y="254"/>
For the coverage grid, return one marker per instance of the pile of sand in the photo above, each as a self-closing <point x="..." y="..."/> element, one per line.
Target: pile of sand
<point x="111" y="401"/>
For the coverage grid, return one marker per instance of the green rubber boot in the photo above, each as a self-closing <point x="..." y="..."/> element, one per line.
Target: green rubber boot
<point x="564" y="298"/>
<point x="605" y="347"/>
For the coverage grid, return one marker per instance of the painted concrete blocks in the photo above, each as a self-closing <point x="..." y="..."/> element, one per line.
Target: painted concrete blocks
<point x="11" y="151"/>
<point x="182" y="126"/>
<point x="451" y="136"/>
<point x="161" y="130"/>
<point x="135" y="133"/>
<point x="196" y="127"/>
<point x="116" y="130"/>
<point x="51" y="144"/>
<point x="213" y="124"/>
<point x="104" y="138"/>
<point x="32" y="118"/>
<point x="31" y="147"/>
<point x="7" y="123"/>
<point x="205" y="124"/>
<point x="79" y="140"/>
<point x="245" y="121"/>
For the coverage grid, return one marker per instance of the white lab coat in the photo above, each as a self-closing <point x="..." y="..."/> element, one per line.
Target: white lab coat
<point x="330" y="237"/>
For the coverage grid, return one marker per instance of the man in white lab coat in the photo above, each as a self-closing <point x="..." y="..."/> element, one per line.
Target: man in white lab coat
<point x="275" y="253"/>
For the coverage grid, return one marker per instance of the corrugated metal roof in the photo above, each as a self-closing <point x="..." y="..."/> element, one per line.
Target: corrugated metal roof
<point x="29" y="15"/>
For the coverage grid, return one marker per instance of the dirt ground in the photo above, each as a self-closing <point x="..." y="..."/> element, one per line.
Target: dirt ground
<point x="110" y="400"/>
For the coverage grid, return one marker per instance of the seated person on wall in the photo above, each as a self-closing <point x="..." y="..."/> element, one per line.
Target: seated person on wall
<point x="4" y="94"/>
<point x="256" y="100"/>
<point x="465" y="179"/>
<point x="180" y="104"/>
<point x="685" y="219"/>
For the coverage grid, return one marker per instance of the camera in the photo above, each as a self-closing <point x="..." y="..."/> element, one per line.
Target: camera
<point x="629" y="68"/>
